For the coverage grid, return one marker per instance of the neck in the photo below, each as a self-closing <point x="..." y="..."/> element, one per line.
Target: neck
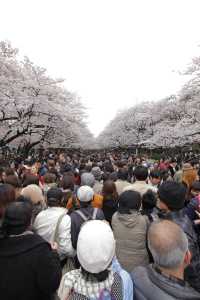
<point x="177" y="273"/>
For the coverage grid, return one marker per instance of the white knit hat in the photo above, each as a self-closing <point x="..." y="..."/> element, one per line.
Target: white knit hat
<point x="85" y="193"/>
<point x="96" y="246"/>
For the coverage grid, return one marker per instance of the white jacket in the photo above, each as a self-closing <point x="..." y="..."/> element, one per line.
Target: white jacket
<point x="45" y="225"/>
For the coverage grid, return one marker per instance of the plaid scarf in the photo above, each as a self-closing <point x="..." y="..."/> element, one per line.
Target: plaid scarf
<point x="74" y="281"/>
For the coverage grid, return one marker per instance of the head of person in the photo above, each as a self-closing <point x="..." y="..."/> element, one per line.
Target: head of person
<point x="168" y="245"/>
<point x="15" y="182"/>
<point x="49" y="178"/>
<point x="67" y="182"/>
<point x="95" y="254"/>
<point x="30" y="179"/>
<point x="85" y="195"/>
<point x="7" y="196"/>
<point x="155" y="177"/>
<point x="195" y="189"/>
<point x="129" y="201"/>
<point x="141" y="173"/>
<point x="17" y="217"/>
<point x="34" y="193"/>
<point x="171" y="196"/>
<point x="123" y="174"/>
<point x="173" y="163"/>
<point x="87" y="179"/>
<point x="109" y="190"/>
<point x="54" y="197"/>
<point x="96" y="171"/>
<point x="149" y="200"/>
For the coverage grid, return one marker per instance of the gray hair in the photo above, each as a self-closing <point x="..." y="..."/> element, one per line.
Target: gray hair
<point x="87" y="179"/>
<point x="167" y="243"/>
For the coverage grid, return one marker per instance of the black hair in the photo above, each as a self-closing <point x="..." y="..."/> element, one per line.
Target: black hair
<point x="129" y="200"/>
<point x="122" y="174"/>
<point x="155" y="174"/>
<point x="141" y="173"/>
<point x="149" y="201"/>
<point x="93" y="277"/>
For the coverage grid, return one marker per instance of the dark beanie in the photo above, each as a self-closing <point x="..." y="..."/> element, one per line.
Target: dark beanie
<point x="17" y="217"/>
<point x="172" y="194"/>
<point x="54" y="196"/>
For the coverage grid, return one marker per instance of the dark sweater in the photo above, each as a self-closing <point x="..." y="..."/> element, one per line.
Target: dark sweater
<point x="29" y="269"/>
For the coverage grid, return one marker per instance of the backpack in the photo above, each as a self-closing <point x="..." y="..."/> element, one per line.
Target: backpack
<point x="87" y="218"/>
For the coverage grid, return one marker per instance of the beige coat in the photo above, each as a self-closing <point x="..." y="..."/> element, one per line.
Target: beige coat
<point x="139" y="186"/>
<point x="130" y="233"/>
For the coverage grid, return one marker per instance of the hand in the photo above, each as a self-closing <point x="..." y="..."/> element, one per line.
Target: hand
<point x="54" y="246"/>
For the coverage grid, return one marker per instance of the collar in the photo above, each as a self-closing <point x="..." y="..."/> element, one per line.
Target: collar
<point x="170" y="277"/>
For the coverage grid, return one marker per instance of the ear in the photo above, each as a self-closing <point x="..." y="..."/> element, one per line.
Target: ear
<point x="162" y="205"/>
<point x="187" y="258"/>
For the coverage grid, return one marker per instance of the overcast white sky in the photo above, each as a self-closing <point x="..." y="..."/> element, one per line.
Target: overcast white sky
<point x="113" y="53"/>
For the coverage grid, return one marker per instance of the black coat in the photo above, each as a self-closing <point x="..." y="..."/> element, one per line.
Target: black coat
<point x="29" y="269"/>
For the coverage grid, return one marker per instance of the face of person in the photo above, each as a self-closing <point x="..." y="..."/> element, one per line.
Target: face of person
<point x="194" y="193"/>
<point x="155" y="181"/>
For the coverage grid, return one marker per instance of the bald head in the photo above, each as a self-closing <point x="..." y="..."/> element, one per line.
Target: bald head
<point x="168" y="244"/>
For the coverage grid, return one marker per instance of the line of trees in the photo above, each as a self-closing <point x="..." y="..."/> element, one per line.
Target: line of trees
<point x="36" y="110"/>
<point x="170" y="122"/>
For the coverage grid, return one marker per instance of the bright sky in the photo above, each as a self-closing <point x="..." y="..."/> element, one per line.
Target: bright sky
<point x="113" y="53"/>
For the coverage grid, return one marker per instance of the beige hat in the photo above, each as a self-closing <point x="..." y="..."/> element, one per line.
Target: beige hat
<point x="96" y="246"/>
<point x="34" y="193"/>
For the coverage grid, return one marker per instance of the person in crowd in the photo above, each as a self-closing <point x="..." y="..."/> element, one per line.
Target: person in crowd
<point x="189" y="175"/>
<point x="171" y="203"/>
<point x="67" y="186"/>
<point x="140" y="185"/>
<point x="149" y="202"/>
<point x="34" y="193"/>
<point x="165" y="278"/>
<point x="172" y="167"/>
<point x="122" y="181"/>
<point x="155" y="180"/>
<point x="30" y="269"/>
<point x="49" y="182"/>
<point x="97" y="187"/>
<point x="130" y="229"/>
<point x="29" y="179"/>
<point x="54" y="225"/>
<point x="7" y="196"/>
<point x="16" y="184"/>
<point x="87" y="179"/>
<point x="85" y="196"/>
<point x="96" y="279"/>
<point x="110" y="200"/>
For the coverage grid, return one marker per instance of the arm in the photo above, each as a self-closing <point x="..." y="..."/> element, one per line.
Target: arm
<point x="48" y="269"/>
<point x="65" y="244"/>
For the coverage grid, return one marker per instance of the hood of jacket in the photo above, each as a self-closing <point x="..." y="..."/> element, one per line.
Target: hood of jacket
<point x="13" y="246"/>
<point x="130" y="220"/>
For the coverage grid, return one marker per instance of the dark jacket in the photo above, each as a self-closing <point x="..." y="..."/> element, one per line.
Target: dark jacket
<point x="150" y="284"/>
<point x="110" y="206"/>
<point x="29" y="269"/>
<point x="192" y="272"/>
<point x="77" y="221"/>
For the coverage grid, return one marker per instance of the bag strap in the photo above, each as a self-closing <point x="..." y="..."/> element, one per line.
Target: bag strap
<point x="94" y="215"/>
<point x="55" y="236"/>
<point x="81" y="215"/>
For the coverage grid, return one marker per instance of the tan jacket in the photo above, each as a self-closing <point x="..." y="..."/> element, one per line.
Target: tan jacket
<point x="139" y="186"/>
<point x="130" y="234"/>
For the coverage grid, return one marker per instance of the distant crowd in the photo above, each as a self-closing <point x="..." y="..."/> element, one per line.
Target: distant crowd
<point x="99" y="226"/>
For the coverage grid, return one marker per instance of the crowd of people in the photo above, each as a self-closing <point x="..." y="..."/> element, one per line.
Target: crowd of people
<point x="99" y="226"/>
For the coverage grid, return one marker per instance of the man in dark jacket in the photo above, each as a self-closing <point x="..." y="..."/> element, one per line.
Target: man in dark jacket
<point x="171" y="202"/>
<point x="165" y="279"/>
<point x="86" y="212"/>
<point x="29" y="269"/>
